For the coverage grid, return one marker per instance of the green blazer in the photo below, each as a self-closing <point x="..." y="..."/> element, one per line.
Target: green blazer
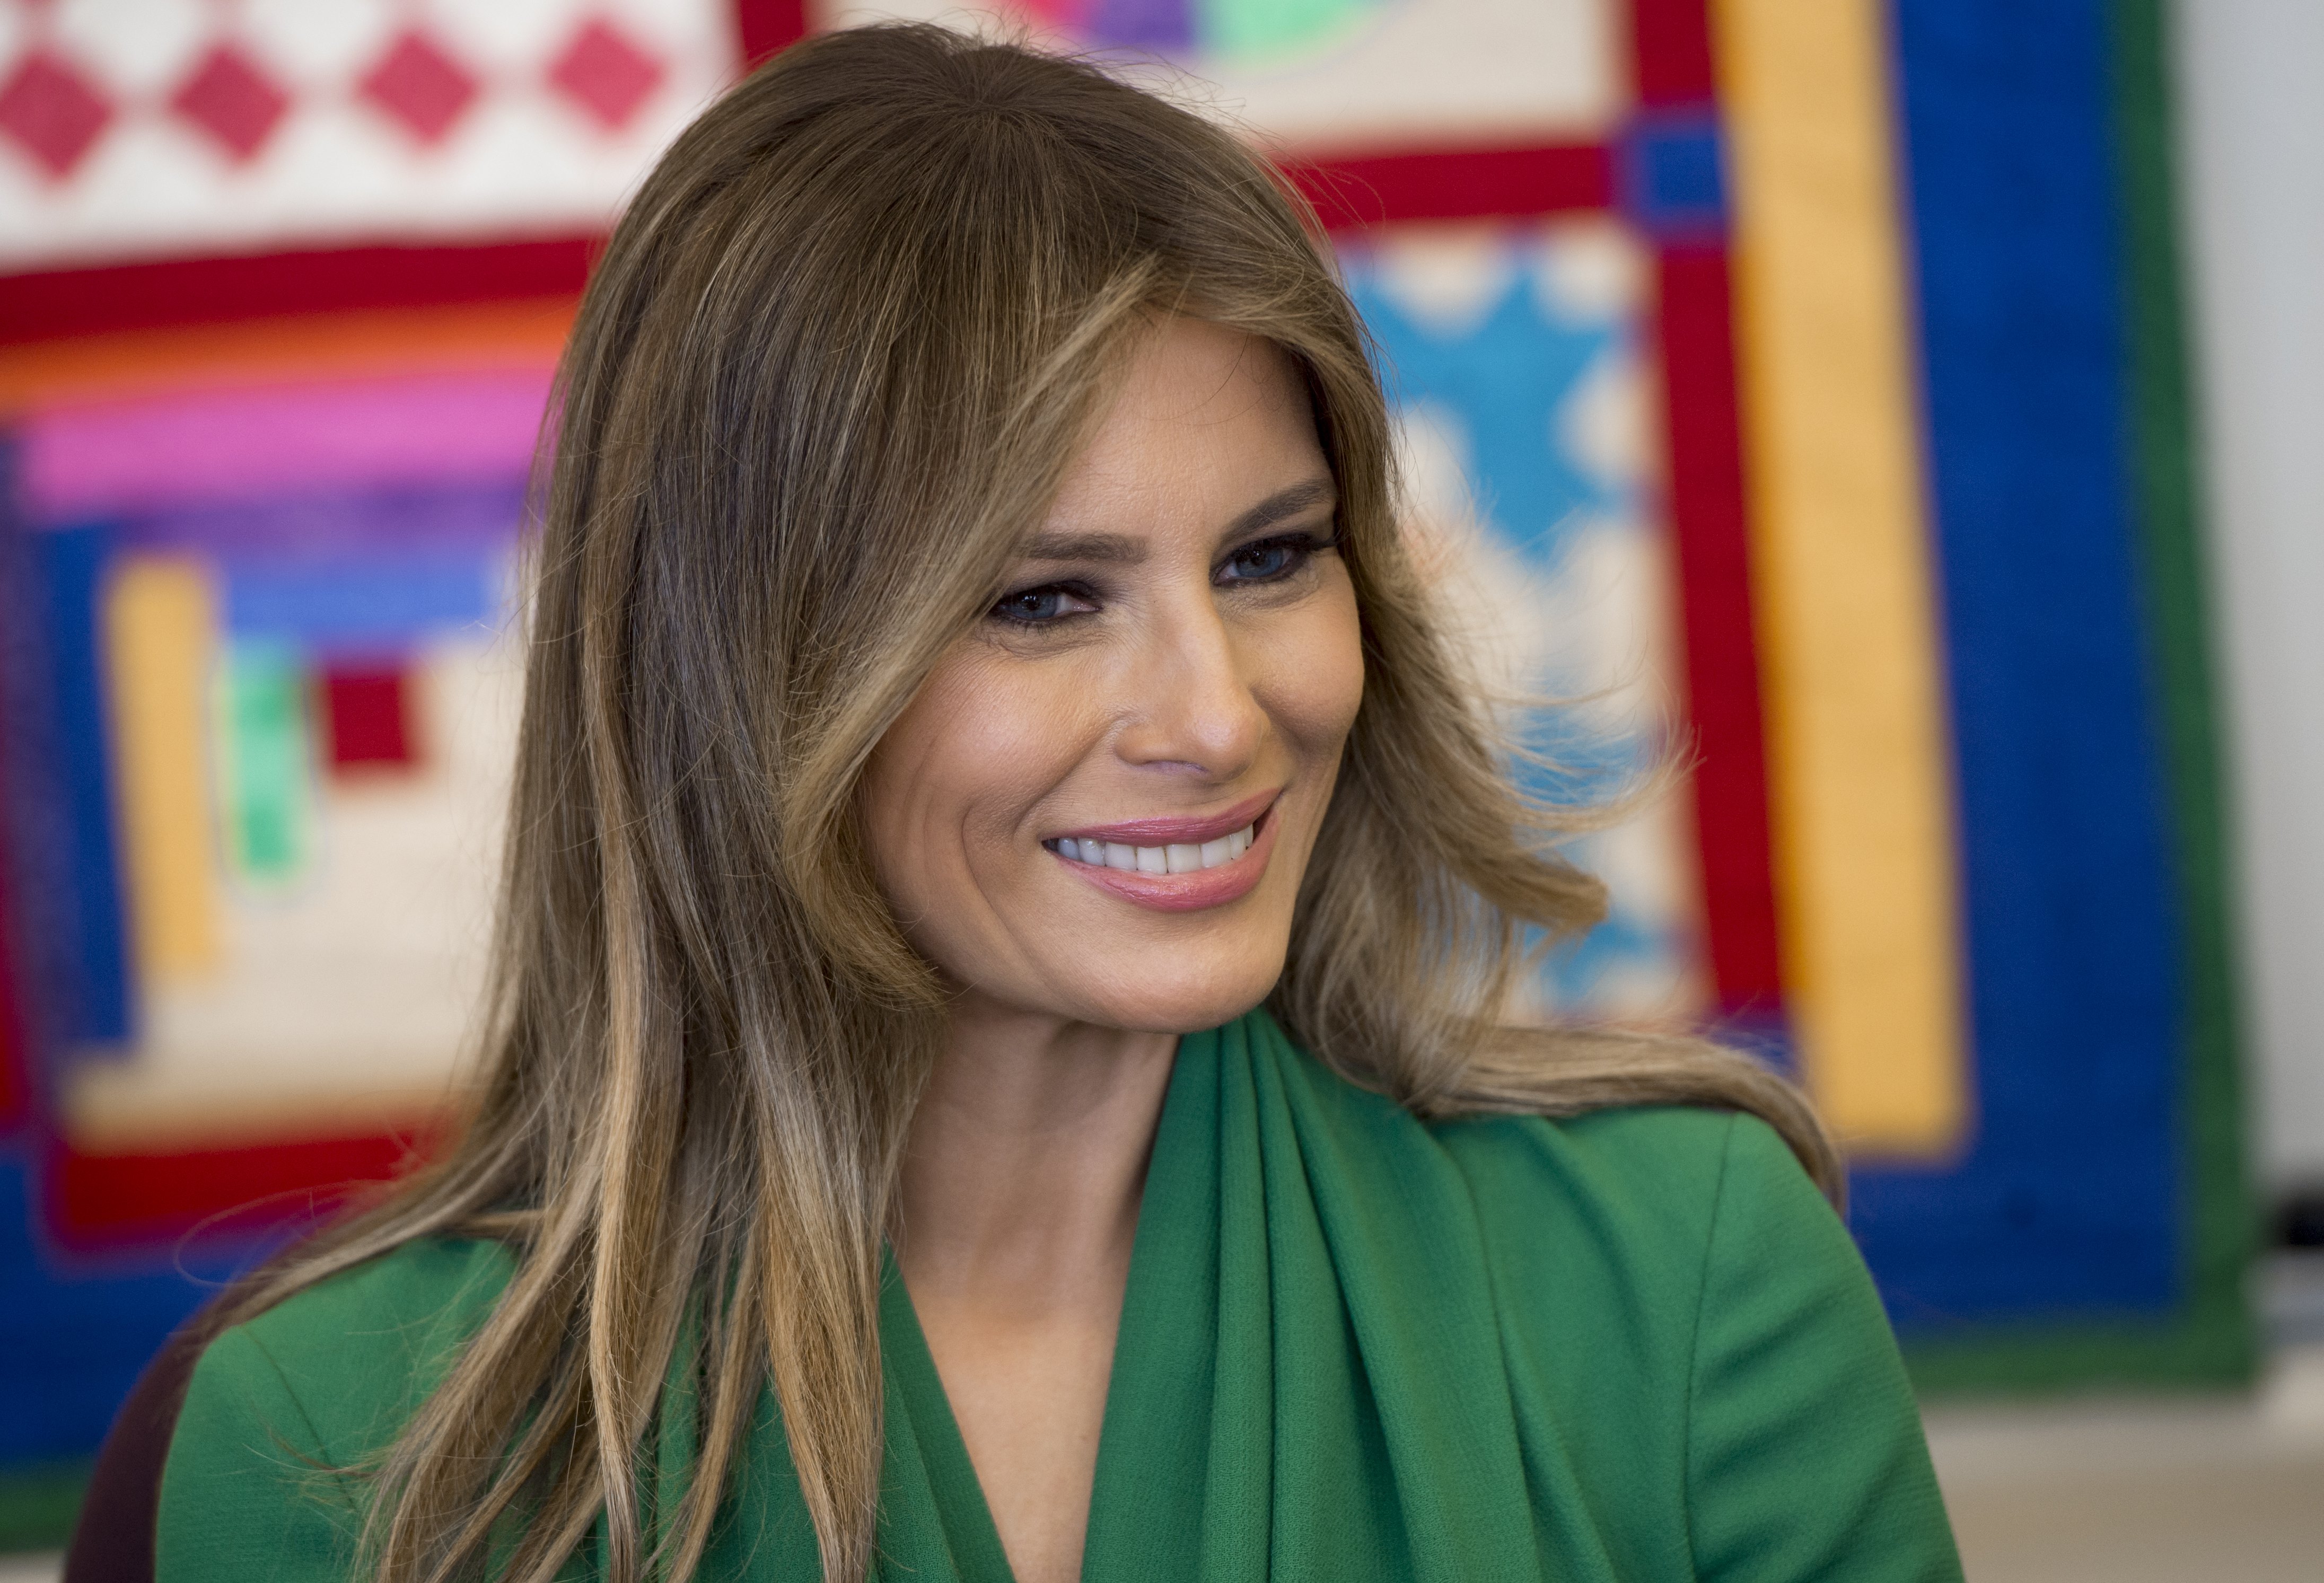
<point x="1356" y="1347"/>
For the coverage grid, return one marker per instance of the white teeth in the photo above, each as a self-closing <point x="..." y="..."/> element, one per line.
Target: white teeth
<point x="1178" y="857"/>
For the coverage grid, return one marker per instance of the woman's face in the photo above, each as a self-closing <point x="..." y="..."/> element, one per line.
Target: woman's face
<point x="1100" y="804"/>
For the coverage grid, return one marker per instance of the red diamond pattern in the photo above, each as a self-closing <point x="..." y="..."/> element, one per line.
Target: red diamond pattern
<point x="421" y="87"/>
<point x="51" y="110"/>
<point x="605" y="74"/>
<point x="233" y="101"/>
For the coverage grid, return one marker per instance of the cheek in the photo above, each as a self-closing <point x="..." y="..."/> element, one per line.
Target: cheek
<point x="956" y="773"/>
<point x="1313" y="671"/>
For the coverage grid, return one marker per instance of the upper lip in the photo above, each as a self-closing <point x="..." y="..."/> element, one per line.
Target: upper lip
<point x="1177" y="832"/>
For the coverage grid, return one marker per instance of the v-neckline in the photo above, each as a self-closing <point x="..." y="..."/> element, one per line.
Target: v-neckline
<point x="963" y="1513"/>
<point x="961" y="1507"/>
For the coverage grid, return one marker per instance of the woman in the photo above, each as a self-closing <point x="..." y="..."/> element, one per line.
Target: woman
<point x="995" y="1068"/>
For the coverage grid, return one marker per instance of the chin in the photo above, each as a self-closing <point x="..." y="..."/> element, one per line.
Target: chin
<point x="1188" y="1004"/>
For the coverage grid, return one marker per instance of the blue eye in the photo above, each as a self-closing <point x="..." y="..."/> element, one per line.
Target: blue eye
<point x="1033" y="606"/>
<point x="1267" y="561"/>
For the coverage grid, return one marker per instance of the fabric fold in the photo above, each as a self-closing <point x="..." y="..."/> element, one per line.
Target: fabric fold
<point x="1307" y="1381"/>
<point x="1355" y="1348"/>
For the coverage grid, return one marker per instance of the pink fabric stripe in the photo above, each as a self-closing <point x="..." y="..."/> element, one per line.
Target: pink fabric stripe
<point x="234" y="445"/>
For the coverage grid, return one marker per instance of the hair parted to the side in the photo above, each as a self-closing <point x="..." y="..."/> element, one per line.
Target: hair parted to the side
<point x="830" y="372"/>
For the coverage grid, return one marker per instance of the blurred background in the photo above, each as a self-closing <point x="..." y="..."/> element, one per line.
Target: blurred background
<point x="1907" y="410"/>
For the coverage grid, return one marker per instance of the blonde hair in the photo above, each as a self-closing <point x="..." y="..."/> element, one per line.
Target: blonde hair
<point x="831" y="369"/>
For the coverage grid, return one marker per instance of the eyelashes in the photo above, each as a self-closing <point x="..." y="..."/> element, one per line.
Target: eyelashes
<point x="1284" y="553"/>
<point x="1269" y="560"/>
<point x="1259" y="563"/>
<point x="1040" y="606"/>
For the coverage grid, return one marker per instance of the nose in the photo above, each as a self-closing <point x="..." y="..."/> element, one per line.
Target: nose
<point x="1192" y="702"/>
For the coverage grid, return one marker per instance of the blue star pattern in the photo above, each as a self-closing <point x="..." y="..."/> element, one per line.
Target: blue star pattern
<point x="1503" y="376"/>
<point x="1508" y="379"/>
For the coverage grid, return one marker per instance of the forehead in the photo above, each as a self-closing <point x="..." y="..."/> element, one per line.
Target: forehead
<point x="1206" y="421"/>
<point x="1192" y="371"/>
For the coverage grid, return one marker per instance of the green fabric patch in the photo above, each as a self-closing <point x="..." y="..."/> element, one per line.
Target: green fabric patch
<point x="39" y="1505"/>
<point x="267" y="764"/>
<point x="1245" y="28"/>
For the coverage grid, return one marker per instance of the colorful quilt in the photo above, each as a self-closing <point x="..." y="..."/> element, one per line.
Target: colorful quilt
<point x="1793" y="393"/>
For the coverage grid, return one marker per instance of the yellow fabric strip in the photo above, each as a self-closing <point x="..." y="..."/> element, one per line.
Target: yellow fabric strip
<point x="160" y="639"/>
<point x="1859" y="761"/>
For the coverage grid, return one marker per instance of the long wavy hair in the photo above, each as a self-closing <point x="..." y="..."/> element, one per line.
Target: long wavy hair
<point x="830" y="372"/>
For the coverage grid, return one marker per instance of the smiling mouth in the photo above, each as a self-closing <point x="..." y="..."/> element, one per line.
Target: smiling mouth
<point x="1176" y="857"/>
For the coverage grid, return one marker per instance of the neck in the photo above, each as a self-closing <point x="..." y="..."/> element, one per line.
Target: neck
<point x="1027" y="1159"/>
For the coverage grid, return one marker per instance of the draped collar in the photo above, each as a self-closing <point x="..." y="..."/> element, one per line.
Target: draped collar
<point x="1308" y="1379"/>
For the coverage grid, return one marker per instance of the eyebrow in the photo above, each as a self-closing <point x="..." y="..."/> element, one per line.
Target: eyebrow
<point x="1122" y="549"/>
<point x="1282" y="505"/>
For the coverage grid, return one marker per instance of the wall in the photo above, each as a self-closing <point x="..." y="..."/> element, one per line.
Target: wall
<point x="2252" y="134"/>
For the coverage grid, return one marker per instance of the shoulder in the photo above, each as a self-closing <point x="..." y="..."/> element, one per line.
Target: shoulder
<point x="281" y="1406"/>
<point x="1622" y="1201"/>
<point x="393" y="1303"/>
<point x="1686" y="1255"/>
<point x="1685" y="1299"/>
<point x="1616" y="1200"/>
<point x="1670" y="1220"/>
<point x="1652" y="1151"/>
<point x="1647" y="1187"/>
<point x="366" y="1344"/>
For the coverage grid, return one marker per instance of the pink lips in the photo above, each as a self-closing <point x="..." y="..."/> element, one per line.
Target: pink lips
<point x="1182" y="831"/>
<point x="1183" y="893"/>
